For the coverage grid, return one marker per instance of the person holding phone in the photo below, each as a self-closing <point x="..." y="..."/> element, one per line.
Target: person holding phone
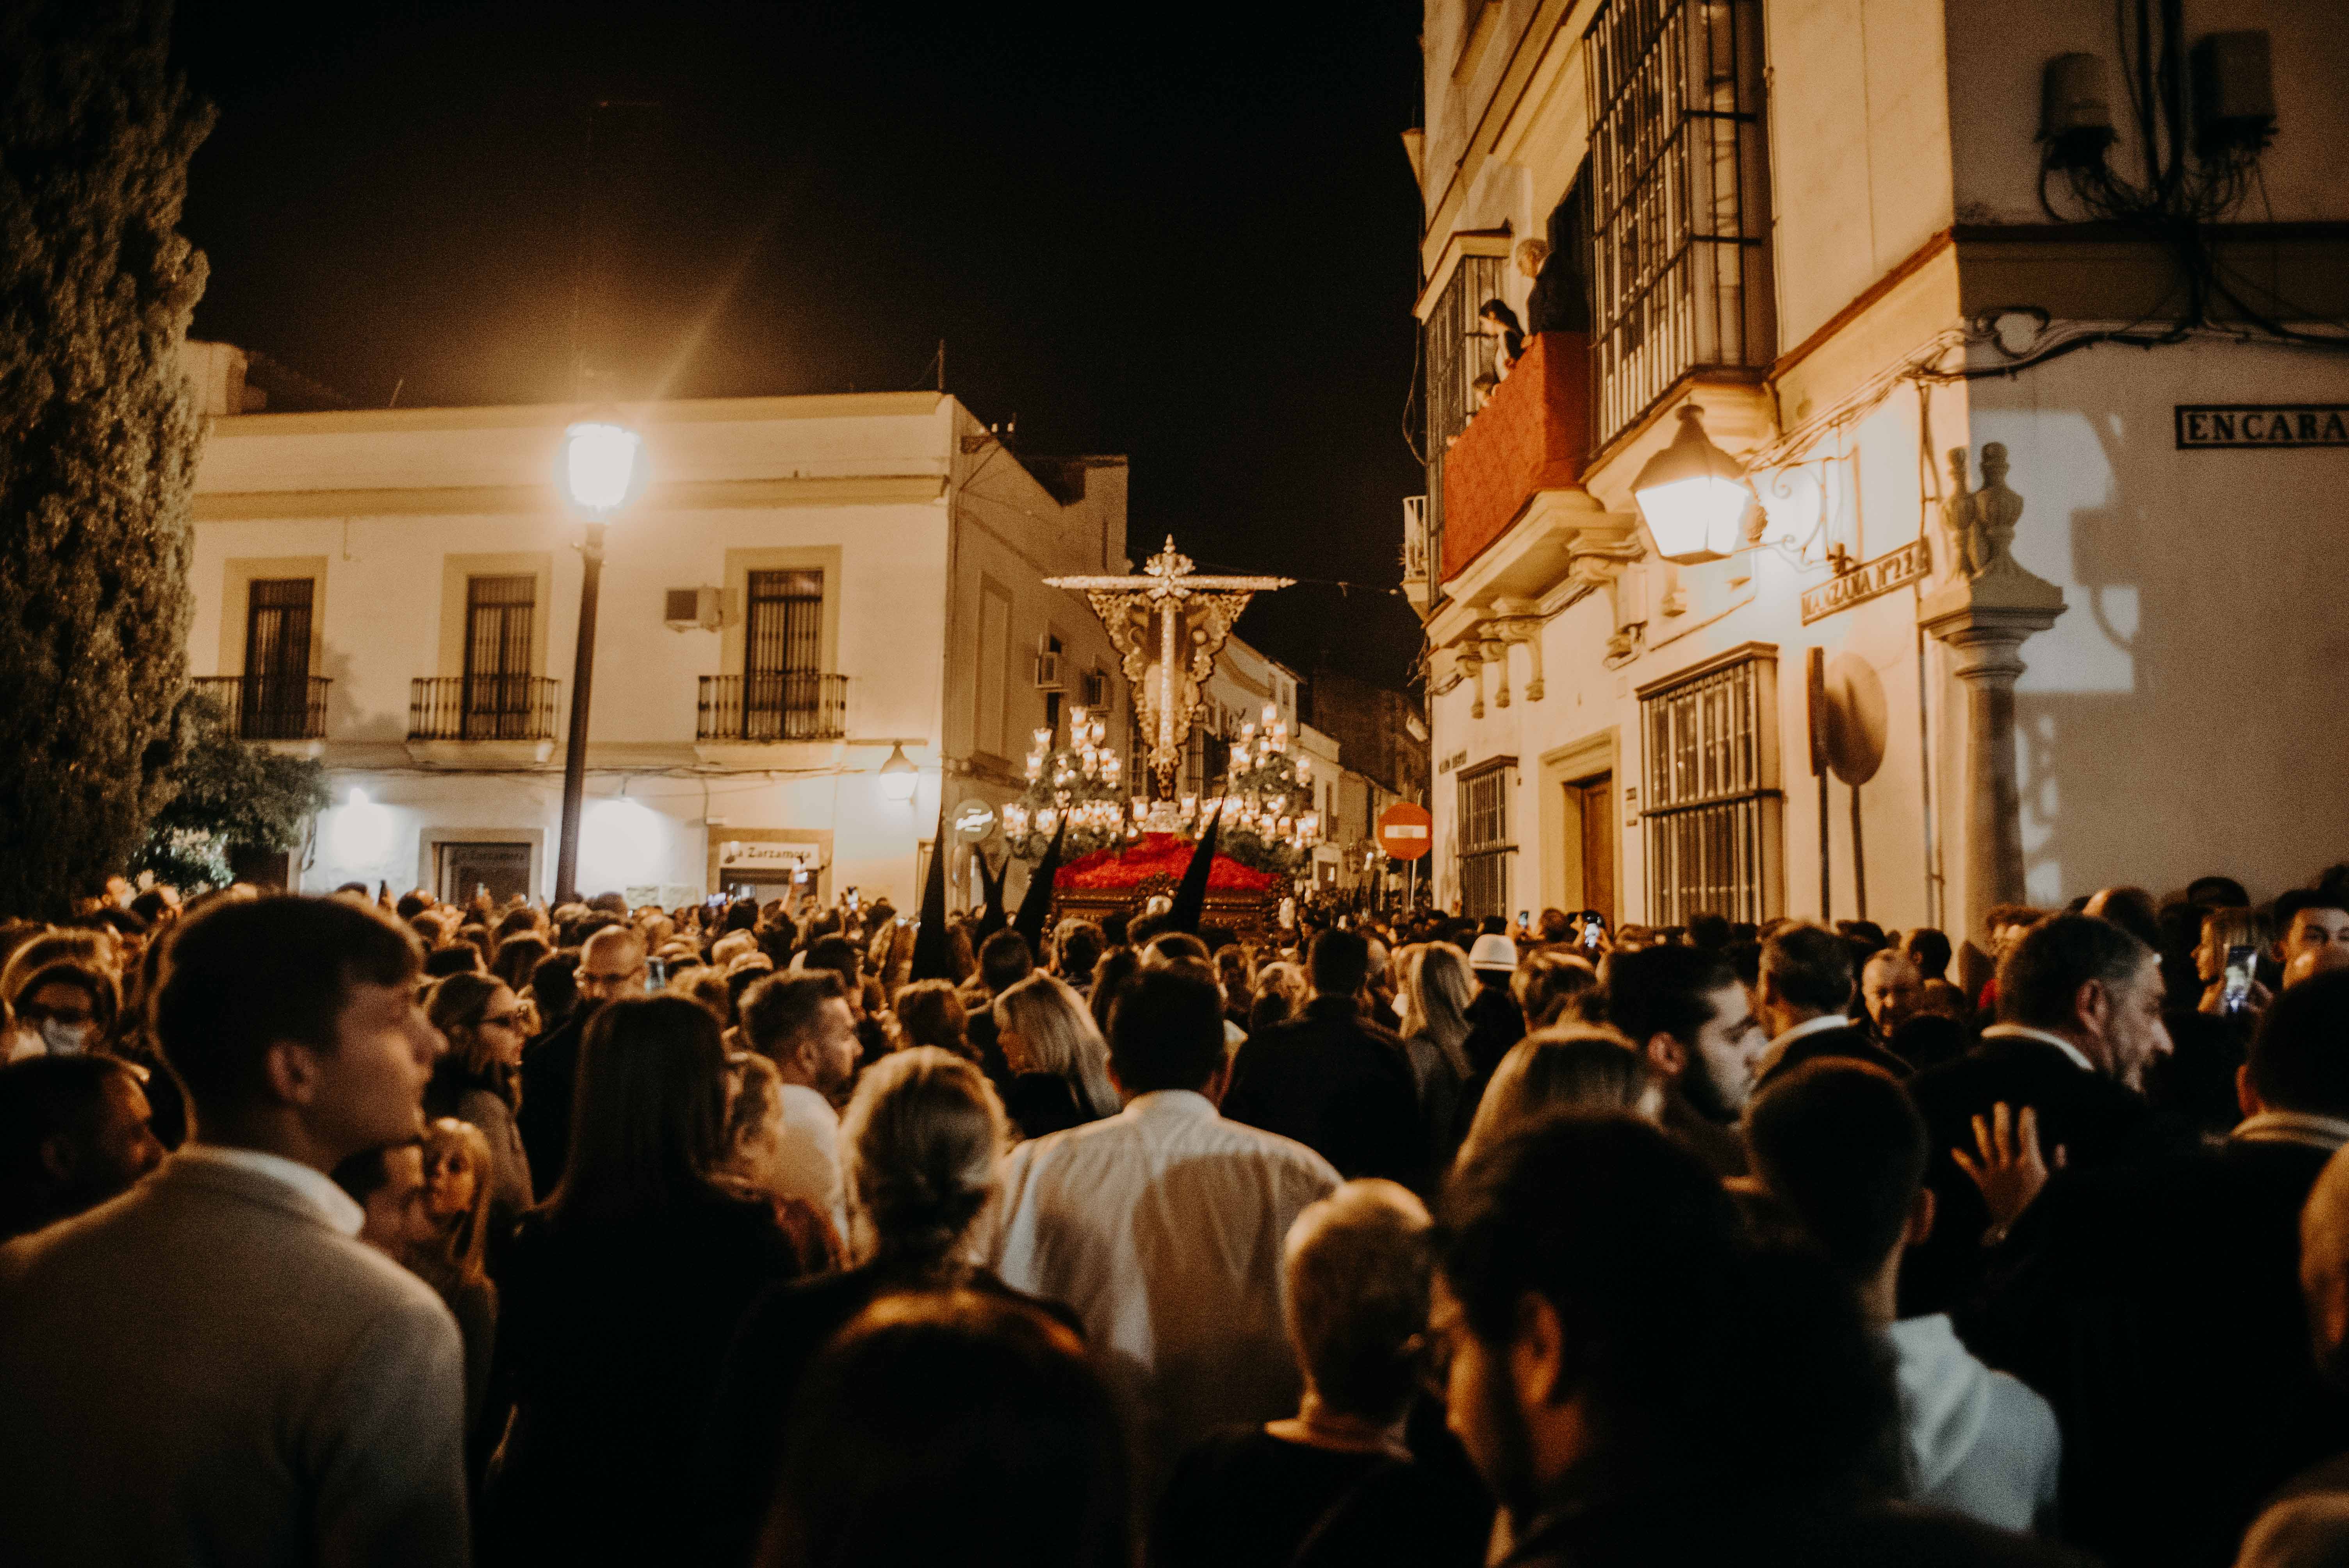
<point x="2227" y="962"/>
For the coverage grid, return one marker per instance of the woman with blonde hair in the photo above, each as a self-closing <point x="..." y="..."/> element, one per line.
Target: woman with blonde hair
<point x="456" y="1197"/>
<point x="751" y="1153"/>
<point x="1584" y="1066"/>
<point x="1435" y="994"/>
<point x="921" y="1144"/>
<point x="1059" y="1063"/>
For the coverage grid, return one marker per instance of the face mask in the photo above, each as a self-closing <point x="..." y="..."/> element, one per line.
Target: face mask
<point x="64" y="1039"/>
<point x="1400" y="1007"/>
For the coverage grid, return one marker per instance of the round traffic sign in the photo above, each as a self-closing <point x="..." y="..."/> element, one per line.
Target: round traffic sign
<point x="1406" y="832"/>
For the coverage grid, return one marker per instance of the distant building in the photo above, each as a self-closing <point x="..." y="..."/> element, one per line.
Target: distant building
<point x="2094" y="651"/>
<point x="809" y="585"/>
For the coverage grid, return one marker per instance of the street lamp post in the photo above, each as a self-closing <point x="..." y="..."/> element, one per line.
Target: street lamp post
<point x="602" y="469"/>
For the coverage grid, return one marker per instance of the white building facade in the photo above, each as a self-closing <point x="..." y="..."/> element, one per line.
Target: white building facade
<point x="1821" y="222"/>
<point x="808" y="586"/>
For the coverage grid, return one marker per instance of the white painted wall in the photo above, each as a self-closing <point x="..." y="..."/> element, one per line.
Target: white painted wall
<point x="730" y="475"/>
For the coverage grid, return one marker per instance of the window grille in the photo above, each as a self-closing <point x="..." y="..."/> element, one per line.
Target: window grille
<point x="782" y="654"/>
<point x="1680" y="202"/>
<point x="1485" y="847"/>
<point x="499" y="691"/>
<point x="1713" y="802"/>
<point x="1457" y="352"/>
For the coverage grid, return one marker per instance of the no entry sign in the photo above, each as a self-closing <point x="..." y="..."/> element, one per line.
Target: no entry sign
<point x="1406" y="832"/>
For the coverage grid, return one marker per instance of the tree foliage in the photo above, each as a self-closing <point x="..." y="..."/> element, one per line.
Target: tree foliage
<point x="231" y="795"/>
<point x="98" y="437"/>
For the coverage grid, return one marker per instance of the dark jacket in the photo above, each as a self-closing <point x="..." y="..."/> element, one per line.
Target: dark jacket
<point x="2157" y="1304"/>
<point x="1494" y="1024"/>
<point x="550" y="1072"/>
<point x="2095" y="1119"/>
<point x="1852" y="1043"/>
<point x="1039" y="1103"/>
<point x="1337" y="1083"/>
<point x="742" y="1441"/>
<point x="1702" y="1530"/>
<point x="610" y="1338"/>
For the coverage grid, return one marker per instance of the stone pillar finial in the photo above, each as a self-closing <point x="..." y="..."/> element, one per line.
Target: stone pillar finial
<point x="1984" y="612"/>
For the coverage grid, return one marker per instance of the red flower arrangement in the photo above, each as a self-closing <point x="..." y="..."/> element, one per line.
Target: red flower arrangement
<point x="1155" y="859"/>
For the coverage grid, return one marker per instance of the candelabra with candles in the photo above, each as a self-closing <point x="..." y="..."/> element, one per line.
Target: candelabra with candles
<point x="1268" y="819"/>
<point x="1082" y="783"/>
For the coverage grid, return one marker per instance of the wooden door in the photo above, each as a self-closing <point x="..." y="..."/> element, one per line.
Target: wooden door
<point x="1590" y="810"/>
<point x="275" y="703"/>
<point x="499" y="613"/>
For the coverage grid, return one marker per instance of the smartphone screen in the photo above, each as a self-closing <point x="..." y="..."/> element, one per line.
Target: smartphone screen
<point x="2235" y="992"/>
<point x="656" y="973"/>
<point x="1592" y="932"/>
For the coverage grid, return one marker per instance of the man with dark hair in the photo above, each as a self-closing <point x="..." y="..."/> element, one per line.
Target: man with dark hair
<point x="611" y="966"/>
<point x="213" y="1367"/>
<point x="2080" y="1011"/>
<point x="847" y="959"/>
<point x="1077" y="949"/>
<point x="2312" y="931"/>
<point x="1804" y="1001"/>
<point x="1162" y="1226"/>
<point x="2155" y="1301"/>
<point x="1332" y="1078"/>
<point x="1709" y="932"/>
<point x="74" y="1131"/>
<point x="1838" y="1145"/>
<point x="1637" y="1385"/>
<point x="1685" y="1010"/>
<point x="801" y="1024"/>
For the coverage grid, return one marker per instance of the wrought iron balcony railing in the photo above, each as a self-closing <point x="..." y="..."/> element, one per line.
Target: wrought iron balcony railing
<point x="482" y="707"/>
<point x="795" y="706"/>
<point x="270" y="707"/>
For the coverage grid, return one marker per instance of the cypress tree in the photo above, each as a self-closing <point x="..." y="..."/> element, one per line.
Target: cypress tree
<point x="98" y="437"/>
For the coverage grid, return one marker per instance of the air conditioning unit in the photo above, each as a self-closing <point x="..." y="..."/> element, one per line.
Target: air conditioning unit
<point x="691" y="609"/>
<point x="1048" y="667"/>
<point x="1096" y="689"/>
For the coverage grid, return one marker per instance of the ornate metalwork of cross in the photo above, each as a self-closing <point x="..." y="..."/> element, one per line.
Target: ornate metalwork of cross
<point x="1168" y="625"/>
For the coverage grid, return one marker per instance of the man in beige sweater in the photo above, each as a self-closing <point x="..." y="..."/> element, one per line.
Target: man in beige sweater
<point x="211" y="1369"/>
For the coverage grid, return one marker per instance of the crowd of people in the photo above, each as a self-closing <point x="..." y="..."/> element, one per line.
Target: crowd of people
<point x="351" y="1230"/>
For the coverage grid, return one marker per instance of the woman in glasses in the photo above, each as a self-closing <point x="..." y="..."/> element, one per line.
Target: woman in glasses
<point x="479" y="1079"/>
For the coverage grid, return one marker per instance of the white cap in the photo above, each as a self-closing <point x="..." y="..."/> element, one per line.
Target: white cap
<point x="1492" y="951"/>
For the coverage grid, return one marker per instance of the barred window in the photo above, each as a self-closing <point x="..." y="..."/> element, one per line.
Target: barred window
<point x="1457" y="352"/>
<point x="1485" y="847"/>
<point x="1713" y="801"/>
<point x="1680" y="202"/>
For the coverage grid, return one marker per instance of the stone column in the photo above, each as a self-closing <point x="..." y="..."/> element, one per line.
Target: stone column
<point x="1984" y="612"/>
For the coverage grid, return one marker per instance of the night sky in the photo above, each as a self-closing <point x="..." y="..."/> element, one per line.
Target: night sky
<point x="1186" y="233"/>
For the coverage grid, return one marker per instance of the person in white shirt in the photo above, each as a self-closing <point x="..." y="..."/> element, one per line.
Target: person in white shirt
<point x="1840" y="1146"/>
<point x="213" y="1367"/>
<point x="1162" y="1227"/>
<point x="801" y="1023"/>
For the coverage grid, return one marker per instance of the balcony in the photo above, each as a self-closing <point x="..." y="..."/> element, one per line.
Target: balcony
<point x="742" y="715"/>
<point x="1416" y="586"/>
<point x="286" y="708"/>
<point x="1532" y="435"/>
<point x="481" y="720"/>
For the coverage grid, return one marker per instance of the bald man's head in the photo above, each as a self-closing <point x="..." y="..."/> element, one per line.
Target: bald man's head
<point x="612" y="964"/>
<point x="1890" y="988"/>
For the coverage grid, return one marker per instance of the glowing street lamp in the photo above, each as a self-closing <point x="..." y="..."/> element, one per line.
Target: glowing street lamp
<point x="899" y="774"/>
<point x="600" y="471"/>
<point x="1693" y="496"/>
